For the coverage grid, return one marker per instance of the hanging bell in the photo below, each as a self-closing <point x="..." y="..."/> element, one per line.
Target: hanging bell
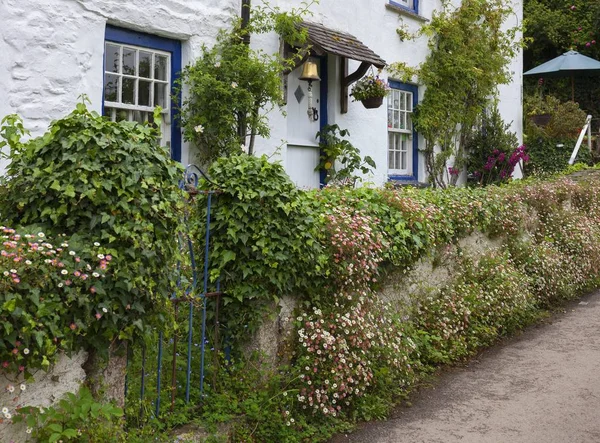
<point x="310" y="72"/>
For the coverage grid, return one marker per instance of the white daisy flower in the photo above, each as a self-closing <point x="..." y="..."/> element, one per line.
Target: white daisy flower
<point x="5" y="410"/>
<point x="64" y="272"/>
<point x="72" y="252"/>
<point x="41" y="235"/>
<point x="100" y="256"/>
<point x="23" y="387"/>
<point x="26" y="351"/>
<point x="96" y="244"/>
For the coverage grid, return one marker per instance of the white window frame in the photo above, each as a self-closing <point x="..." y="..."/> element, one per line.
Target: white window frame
<point x="400" y="130"/>
<point x="114" y="106"/>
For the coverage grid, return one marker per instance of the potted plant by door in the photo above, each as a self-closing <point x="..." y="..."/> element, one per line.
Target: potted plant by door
<point x="370" y="90"/>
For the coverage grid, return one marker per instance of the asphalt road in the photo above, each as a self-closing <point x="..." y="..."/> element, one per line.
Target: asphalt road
<point x="540" y="387"/>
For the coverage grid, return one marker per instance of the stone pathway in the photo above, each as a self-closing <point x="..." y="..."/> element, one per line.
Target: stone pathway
<point x="540" y="387"/>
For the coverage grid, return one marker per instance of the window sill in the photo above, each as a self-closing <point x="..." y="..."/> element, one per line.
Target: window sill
<point x="399" y="181"/>
<point x="406" y="12"/>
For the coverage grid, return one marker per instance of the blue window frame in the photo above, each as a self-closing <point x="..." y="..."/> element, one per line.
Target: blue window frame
<point x="403" y="140"/>
<point x="136" y="80"/>
<point x="410" y="5"/>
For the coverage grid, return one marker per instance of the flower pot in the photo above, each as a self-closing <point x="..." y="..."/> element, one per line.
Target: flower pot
<point x="372" y="102"/>
<point x="540" y="119"/>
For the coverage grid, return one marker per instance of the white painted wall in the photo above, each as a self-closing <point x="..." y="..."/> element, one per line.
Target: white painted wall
<point x="51" y="51"/>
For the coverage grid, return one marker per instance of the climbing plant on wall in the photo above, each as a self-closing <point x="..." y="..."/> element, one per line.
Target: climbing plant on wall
<point x="470" y="51"/>
<point x="231" y="87"/>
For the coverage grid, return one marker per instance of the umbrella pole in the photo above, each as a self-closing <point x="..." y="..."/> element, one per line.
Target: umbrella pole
<point x="573" y="88"/>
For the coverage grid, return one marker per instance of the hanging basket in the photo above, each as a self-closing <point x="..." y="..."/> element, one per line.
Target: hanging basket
<point x="372" y="102"/>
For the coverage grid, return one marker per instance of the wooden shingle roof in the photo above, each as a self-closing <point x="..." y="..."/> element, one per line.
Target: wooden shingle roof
<point x="325" y="40"/>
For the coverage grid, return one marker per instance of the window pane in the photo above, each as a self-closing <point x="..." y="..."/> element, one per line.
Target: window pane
<point x="111" y="87"/>
<point x="396" y="119"/>
<point x="403" y="160"/>
<point x="160" y="67"/>
<point x="160" y="93"/>
<point x="402" y="101"/>
<point x="409" y="100"/>
<point x="145" y="64"/>
<point x="128" y="92"/>
<point x="144" y="93"/>
<point x="129" y="61"/>
<point x="140" y="116"/>
<point x="122" y="115"/>
<point x="409" y="122"/>
<point x="111" y="58"/>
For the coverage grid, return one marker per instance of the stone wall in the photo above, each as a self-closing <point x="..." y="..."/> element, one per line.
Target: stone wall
<point x="46" y="388"/>
<point x="401" y="289"/>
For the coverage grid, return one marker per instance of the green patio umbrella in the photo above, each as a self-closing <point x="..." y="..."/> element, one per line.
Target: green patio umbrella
<point x="569" y="64"/>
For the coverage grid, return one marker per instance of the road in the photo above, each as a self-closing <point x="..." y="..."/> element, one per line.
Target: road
<point x="540" y="387"/>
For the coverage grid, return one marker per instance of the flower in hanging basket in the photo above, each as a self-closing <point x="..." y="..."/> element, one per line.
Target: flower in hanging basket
<point x="369" y="87"/>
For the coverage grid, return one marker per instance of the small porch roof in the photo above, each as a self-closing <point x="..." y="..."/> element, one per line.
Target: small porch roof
<point x="325" y="40"/>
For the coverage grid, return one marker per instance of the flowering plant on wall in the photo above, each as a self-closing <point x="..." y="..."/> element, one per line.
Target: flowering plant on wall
<point x="51" y="292"/>
<point x="370" y="86"/>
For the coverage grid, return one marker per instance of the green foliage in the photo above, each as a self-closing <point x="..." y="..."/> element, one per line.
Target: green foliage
<point x="106" y="182"/>
<point x="488" y="299"/>
<point x="491" y="138"/>
<point x="550" y="155"/>
<point x="262" y="405"/>
<point x="335" y="148"/>
<point x="264" y="238"/>
<point x="554" y="28"/>
<point x="51" y="296"/>
<point x="469" y="56"/>
<point x="75" y="418"/>
<point x="231" y="87"/>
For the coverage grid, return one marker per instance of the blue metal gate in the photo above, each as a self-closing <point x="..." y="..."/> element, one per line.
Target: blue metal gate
<point x="174" y="350"/>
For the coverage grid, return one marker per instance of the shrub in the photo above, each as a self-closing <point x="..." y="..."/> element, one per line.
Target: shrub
<point x="108" y="182"/>
<point x="492" y="152"/>
<point x="51" y="295"/>
<point x="264" y="238"/>
<point x="75" y="418"/>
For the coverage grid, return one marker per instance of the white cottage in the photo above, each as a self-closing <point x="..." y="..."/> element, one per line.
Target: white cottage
<point x="125" y="55"/>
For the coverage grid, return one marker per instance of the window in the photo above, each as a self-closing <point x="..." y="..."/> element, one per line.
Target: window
<point x="412" y="5"/>
<point x="402" y="140"/>
<point x="139" y="70"/>
<point x="135" y="81"/>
